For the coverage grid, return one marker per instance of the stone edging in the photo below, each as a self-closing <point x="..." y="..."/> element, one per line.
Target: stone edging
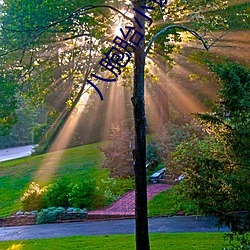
<point x="30" y="219"/>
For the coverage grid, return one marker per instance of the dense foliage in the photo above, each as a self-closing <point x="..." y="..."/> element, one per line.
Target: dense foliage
<point x="90" y="193"/>
<point x="8" y="105"/>
<point x="51" y="47"/>
<point x="162" y="143"/>
<point x="48" y="215"/>
<point x="217" y="168"/>
<point x="56" y="194"/>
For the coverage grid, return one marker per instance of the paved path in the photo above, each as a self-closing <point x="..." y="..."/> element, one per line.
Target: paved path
<point x="14" y="153"/>
<point x="156" y="225"/>
<point x="125" y="206"/>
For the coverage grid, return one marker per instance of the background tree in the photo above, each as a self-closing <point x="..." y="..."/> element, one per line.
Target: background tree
<point x="8" y="104"/>
<point x="52" y="60"/>
<point x="216" y="168"/>
<point x="165" y="142"/>
<point x="118" y="155"/>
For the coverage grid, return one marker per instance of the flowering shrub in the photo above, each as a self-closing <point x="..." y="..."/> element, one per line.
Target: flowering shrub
<point x="109" y="189"/>
<point x="33" y="197"/>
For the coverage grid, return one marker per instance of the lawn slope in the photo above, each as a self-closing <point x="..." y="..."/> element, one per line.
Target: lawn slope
<point x="16" y="175"/>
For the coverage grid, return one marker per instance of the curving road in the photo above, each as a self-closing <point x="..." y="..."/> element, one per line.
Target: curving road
<point x="156" y="225"/>
<point x="17" y="152"/>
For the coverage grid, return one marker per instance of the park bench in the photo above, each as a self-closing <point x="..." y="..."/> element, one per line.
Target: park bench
<point x="182" y="176"/>
<point x="155" y="177"/>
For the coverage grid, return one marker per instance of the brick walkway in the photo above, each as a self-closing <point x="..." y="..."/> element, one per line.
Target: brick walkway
<point x="124" y="207"/>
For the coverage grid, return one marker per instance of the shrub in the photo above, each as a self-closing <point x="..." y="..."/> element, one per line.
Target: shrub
<point x="33" y="197"/>
<point x="208" y="181"/>
<point x="48" y="215"/>
<point x="57" y="193"/>
<point x="216" y="168"/>
<point x="103" y="194"/>
<point x="73" y="209"/>
<point x="123" y="185"/>
<point x="109" y="189"/>
<point x="243" y="242"/>
<point x="81" y="194"/>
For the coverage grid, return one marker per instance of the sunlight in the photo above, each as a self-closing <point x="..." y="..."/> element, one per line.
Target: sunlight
<point x="15" y="247"/>
<point x="61" y="142"/>
<point x="95" y="122"/>
<point x="170" y="93"/>
<point x="115" y="108"/>
<point x="117" y="31"/>
<point x="96" y="107"/>
<point x="238" y="42"/>
<point x="183" y="99"/>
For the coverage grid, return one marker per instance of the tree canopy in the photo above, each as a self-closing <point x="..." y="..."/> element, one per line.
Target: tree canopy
<point x="54" y="45"/>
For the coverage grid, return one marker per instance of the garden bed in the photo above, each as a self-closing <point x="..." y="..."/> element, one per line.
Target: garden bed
<point x="31" y="219"/>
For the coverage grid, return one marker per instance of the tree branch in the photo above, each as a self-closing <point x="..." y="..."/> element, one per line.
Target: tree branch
<point x="193" y="32"/>
<point x="44" y="28"/>
<point x="218" y="38"/>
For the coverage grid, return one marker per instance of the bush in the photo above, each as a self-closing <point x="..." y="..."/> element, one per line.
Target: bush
<point x="78" y="210"/>
<point x="109" y="189"/>
<point x="243" y="242"/>
<point x="85" y="194"/>
<point x="81" y="194"/>
<point x="33" y="198"/>
<point x="48" y="215"/>
<point x="103" y="194"/>
<point x="123" y="185"/>
<point x="57" y="193"/>
<point x="208" y="179"/>
<point x="63" y="193"/>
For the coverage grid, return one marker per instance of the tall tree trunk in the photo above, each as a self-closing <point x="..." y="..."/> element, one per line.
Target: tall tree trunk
<point x="139" y="152"/>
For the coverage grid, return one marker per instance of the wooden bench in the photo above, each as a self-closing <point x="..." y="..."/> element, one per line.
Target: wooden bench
<point x="155" y="177"/>
<point x="182" y="176"/>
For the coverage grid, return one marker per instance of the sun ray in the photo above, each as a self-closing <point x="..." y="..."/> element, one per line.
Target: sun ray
<point x="51" y="162"/>
<point x="115" y="110"/>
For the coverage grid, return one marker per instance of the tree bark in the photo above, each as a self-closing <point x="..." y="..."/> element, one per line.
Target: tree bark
<point x="139" y="151"/>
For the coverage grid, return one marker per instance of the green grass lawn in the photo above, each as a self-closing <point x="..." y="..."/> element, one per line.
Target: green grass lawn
<point x="16" y="175"/>
<point x="169" y="203"/>
<point x="172" y="241"/>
